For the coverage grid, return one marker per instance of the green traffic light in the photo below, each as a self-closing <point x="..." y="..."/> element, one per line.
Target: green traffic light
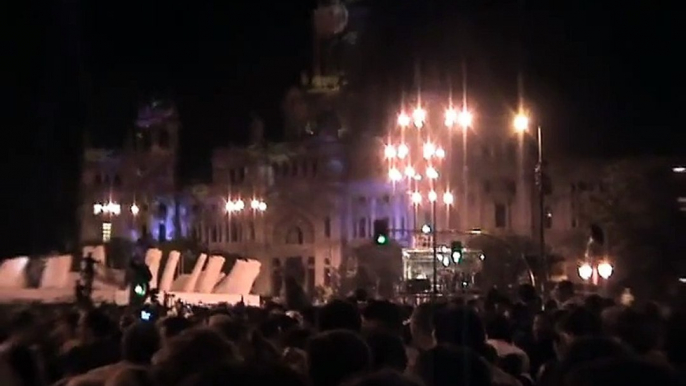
<point x="139" y="290"/>
<point x="381" y="239"/>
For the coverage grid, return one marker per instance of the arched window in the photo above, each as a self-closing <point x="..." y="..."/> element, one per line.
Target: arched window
<point x="295" y="236"/>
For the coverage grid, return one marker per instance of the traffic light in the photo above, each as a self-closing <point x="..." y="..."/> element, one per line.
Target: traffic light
<point x="456" y="250"/>
<point x="140" y="284"/>
<point x="381" y="232"/>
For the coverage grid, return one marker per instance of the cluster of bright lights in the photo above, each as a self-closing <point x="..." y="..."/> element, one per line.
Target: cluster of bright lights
<point x="395" y="175"/>
<point x="604" y="270"/>
<point x="679" y="169"/>
<point x="391" y="152"/>
<point x="432" y="196"/>
<point x="464" y="118"/>
<point x="109" y="208"/>
<point x="419" y="117"/>
<point x="238" y="205"/>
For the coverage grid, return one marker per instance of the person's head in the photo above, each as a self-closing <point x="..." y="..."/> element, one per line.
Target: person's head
<point x="381" y="314"/>
<point x="460" y="326"/>
<point x="139" y="343"/>
<point x="577" y="323"/>
<point x="336" y="356"/>
<point x="589" y="350"/>
<point x="67" y="325"/>
<point x="339" y="314"/>
<point x="638" y="330"/>
<point x="191" y="352"/>
<point x="134" y="376"/>
<point x="675" y="338"/>
<point x="95" y="324"/>
<point x="422" y="326"/>
<point x="445" y="365"/>
<point x="125" y="321"/>
<point x="527" y="293"/>
<point x="21" y="325"/>
<point x="500" y="328"/>
<point x="385" y="378"/>
<point x="172" y="326"/>
<point x="233" y="330"/>
<point x="246" y="375"/>
<point x="388" y="351"/>
<point x="565" y="291"/>
<point x="620" y="372"/>
<point x="543" y="327"/>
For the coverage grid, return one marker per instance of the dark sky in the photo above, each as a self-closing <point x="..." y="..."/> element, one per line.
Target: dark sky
<point x="604" y="76"/>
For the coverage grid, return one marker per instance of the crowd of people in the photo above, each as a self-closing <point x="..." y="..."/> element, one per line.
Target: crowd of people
<point x="356" y="341"/>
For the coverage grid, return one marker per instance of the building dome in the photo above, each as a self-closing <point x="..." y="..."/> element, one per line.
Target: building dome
<point x="330" y="20"/>
<point x="155" y="112"/>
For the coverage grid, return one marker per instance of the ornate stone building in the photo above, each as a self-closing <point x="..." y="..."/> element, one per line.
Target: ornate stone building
<point x="320" y="194"/>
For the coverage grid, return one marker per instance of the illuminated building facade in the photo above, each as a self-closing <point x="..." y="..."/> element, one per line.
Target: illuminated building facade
<point x="320" y="196"/>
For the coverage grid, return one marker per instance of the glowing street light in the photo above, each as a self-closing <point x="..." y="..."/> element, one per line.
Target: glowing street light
<point x="679" y="169"/>
<point x="440" y="153"/>
<point x="409" y="171"/>
<point x="403" y="151"/>
<point x="416" y="198"/>
<point x="429" y="150"/>
<point x="585" y="271"/>
<point x="403" y="120"/>
<point x="521" y="123"/>
<point x="450" y="117"/>
<point x="448" y="198"/>
<point x="390" y="151"/>
<point x="431" y="173"/>
<point x="110" y="208"/>
<point x="433" y="196"/>
<point x="465" y="119"/>
<point x="135" y="209"/>
<point x="238" y="205"/>
<point x="605" y="270"/>
<point x="419" y="116"/>
<point x="394" y="175"/>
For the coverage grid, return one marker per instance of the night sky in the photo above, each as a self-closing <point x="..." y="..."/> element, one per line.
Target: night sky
<point x="604" y="77"/>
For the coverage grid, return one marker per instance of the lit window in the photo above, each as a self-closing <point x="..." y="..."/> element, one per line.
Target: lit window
<point x="106" y="231"/>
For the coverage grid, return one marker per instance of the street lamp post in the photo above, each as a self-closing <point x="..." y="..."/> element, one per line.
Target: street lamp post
<point x="521" y="125"/>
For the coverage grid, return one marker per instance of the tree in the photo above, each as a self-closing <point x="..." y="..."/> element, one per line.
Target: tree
<point x="635" y="203"/>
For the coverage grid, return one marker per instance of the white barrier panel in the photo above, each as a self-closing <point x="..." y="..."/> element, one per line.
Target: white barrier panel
<point x="12" y="272"/>
<point x="197" y="269"/>
<point x="61" y="295"/>
<point x="99" y="255"/>
<point x="221" y="277"/>
<point x="101" y="261"/>
<point x="56" y="272"/>
<point x="241" y="278"/>
<point x="87" y="250"/>
<point x="152" y="259"/>
<point x="180" y="283"/>
<point x="210" y="299"/>
<point x="209" y="276"/>
<point x="169" y="271"/>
